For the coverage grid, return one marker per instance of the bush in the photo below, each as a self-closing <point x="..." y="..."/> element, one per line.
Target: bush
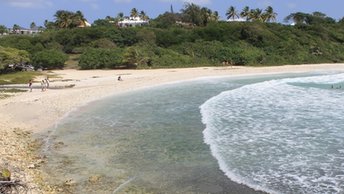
<point x="99" y="58"/>
<point x="49" y="59"/>
<point x="12" y="56"/>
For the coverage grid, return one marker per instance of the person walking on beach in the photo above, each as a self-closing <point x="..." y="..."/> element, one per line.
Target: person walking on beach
<point x="47" y="82"/>
<point x="30" y="85"/>
<point x="119" y="78"/>
<point x="43" y="85"/>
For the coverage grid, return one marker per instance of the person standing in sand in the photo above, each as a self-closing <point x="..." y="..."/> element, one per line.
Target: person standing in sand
<point x="47" y="82"/>
<point x="30" y="85"/>
<point x="43" y="85"/>
<point x="119" y="78"/>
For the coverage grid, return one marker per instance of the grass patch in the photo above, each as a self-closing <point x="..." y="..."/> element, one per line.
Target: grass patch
<point x="22" y="77"/>
<point x="72" y="62"/>
<point x="12" y="90"/>
<point x="3" y="96"/>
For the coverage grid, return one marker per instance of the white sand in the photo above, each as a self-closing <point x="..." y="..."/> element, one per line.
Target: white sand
<point x="37" y="110"/>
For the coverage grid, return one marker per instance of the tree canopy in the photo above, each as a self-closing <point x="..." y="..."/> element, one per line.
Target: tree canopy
<point x="191" y="37"/>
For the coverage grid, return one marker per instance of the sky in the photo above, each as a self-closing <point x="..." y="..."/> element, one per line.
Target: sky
<point x="24" y="12"/>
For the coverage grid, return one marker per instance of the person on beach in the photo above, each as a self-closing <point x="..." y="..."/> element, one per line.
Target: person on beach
<point x="43" y="85"/>
<point x="30" y="85"/>
<point x="119" y="78"/>
<point x="47" y="82"/>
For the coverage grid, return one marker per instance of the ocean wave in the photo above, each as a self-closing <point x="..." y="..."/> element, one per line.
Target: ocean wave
<point x="280" y="136"/>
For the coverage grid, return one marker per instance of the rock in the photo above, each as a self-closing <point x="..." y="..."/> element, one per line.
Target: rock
<point x="70" y="182"/>
<point x="40" y="161"/>
<point x="60" y="190"/>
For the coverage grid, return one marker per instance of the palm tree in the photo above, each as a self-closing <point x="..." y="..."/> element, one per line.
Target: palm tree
<point x="205" y="15"/>
<point x="245" y="13"/>
<point x="32" y="25"/>
<point x="143" y="15"/>
<point x="215" y="16"/>
<point x="120" y="15"/>
<point x="63" y="19"/>
<point x="78" y="19"/>
<point x="269" y="14"/>
<point x="134" y="12"/>
<point x="232" y="13"/>
<point x="192" y="13"/>
<point x="256" y="14"/>
<point x="49" y="24"/>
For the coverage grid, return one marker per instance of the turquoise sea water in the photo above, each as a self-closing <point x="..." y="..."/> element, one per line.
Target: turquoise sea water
<point x="280" y="134"/>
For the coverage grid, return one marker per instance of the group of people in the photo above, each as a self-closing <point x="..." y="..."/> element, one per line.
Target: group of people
<point x="44" y="84"/>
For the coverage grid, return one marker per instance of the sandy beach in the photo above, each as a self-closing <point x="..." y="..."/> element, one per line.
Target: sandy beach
<point x="27" y="113"/>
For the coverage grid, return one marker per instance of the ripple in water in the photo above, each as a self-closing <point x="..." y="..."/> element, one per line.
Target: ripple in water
<point x="280" y="136"/>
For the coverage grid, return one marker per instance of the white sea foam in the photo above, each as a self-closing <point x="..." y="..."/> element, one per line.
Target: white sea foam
<point x="280" y="136"/>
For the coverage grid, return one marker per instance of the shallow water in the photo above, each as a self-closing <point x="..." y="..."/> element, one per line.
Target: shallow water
<point x="151" y="140"/>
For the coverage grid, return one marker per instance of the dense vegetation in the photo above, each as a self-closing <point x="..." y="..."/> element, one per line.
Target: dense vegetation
<point x="200" y="40"/>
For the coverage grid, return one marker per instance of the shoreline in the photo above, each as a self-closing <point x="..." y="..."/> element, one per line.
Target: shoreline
<point x="33" y="112"/>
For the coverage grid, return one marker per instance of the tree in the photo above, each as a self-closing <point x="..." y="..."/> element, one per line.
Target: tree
<point x="256" y="14"/>
<point x="33" y="25"/>
<point x="297" y="18"/>
<point x="245" y="13"/>
<point x="120" y="16"/>
<point x="63" y="19"/>
<point x="102" y="22"/>
<point x="232" y="13"/>
<point x="68" y="19"/>
<point x="215" y="16"/>
<point x="205" y="15"/>
<point x="49" y="24"/>
<point x="269" y="14"/>
<point x="166" y="20"/>
<point x="192" y="13"/>
<point x="143" y="15"/>
<point x="134" y="12"/>
<point x="101" y="58"/>
<point x="78" y="19"/>
<point x="49" y="59"/>
<point x="3" y="29"/>
<point x="103" y="43"/>
<point x="15" y="27"/>
<point x="12" y="56"/>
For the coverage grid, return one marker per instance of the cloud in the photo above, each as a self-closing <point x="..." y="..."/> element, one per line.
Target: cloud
<point x="28" y="3"/>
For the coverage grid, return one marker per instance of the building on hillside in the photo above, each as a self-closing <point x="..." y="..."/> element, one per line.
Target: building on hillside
<point x="132" y="22"/>
<point x="236" y="20"/>
<point x="26" y="31"/>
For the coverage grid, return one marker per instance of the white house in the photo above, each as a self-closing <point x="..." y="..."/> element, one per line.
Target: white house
<point x="236" y="20"/>
<point x="26" y="31"/>
<point x="132" y="21"/>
